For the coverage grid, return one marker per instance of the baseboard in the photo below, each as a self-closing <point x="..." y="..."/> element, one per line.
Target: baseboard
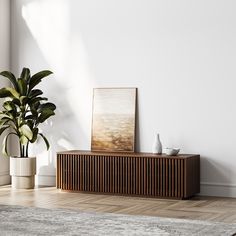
<point x="5" y="178"/>
<point x="218" y="189"/>
<point x="45" y="180"/>
<point x="207" y="189"/>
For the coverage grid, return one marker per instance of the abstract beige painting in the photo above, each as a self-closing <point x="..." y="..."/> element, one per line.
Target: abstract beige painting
<point x="113" y="126"/>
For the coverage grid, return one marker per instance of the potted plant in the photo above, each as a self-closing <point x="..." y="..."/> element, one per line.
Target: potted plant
<point x="23" y="110"/>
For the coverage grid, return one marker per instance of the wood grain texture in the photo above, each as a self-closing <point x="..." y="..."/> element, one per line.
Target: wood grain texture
<point x="197" y="208"/>
<point x="129" y="174"/>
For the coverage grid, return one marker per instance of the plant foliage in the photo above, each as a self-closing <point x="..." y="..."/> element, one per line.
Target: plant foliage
<point x="24" y="109"/>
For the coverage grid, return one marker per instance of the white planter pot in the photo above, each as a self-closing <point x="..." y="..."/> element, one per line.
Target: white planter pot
<point x="22" y="171"/>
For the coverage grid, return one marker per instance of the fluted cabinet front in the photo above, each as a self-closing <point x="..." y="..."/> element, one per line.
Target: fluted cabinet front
<point x="128" y="174"/>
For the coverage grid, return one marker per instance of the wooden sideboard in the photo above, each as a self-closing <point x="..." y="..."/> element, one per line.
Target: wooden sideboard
<point x="142" y="174"/>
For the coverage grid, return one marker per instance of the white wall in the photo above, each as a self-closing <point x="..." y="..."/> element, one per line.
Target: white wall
<point x="4" y="65"/>
<point x="180" y="54"/>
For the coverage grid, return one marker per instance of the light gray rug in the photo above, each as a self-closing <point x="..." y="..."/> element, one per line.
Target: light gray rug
<point x="17" y="220"/>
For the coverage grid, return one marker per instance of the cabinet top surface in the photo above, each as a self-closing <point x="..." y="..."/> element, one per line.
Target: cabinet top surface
<point x="128" y="154"/>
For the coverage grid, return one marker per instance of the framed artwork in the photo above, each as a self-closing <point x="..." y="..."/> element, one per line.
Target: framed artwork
<point x="113" y="125"/>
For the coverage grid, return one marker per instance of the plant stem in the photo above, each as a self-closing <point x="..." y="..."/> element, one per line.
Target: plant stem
<point x="27" y="149"/>
<point x="21" y="154"/>
<point x="23" y="148"/>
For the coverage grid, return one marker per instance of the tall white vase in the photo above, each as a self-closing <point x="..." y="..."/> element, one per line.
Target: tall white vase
<point x="157" y="146"/>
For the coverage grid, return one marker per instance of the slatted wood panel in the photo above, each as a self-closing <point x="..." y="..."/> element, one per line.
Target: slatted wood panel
<point x="137" y="174"/>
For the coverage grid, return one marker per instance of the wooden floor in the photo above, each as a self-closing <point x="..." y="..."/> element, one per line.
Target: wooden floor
<point x="198" y="208"/>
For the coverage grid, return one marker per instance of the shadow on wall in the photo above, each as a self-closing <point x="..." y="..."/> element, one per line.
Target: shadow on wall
<point x="61" y="128"/>
<point x="215" y="170"/>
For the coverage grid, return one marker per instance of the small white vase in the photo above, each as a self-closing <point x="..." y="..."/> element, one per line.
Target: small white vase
<point x="157" y="146"/>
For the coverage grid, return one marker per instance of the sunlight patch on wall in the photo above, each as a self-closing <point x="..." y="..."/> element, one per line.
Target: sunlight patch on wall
<point x="64" y="50"/>
<point x="48" y="21"/>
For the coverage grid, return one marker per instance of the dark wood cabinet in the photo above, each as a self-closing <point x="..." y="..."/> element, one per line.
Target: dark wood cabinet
<point x="142" y="174"/>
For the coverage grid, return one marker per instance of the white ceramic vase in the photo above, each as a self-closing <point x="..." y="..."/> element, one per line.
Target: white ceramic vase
<point x="157" y="146"/>
<point x="22" y="171"/>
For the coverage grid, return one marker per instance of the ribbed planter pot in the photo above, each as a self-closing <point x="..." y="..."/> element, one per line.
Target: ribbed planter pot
<point x="22" y="171"/>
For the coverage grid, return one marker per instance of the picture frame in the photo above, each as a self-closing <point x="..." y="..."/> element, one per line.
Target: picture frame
<point x="114" y="119"/>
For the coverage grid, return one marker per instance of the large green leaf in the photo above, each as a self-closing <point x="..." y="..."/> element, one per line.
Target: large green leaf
<point x="35" y="92"/>
<point x="25" y="74"/>
<point x="30" y="123"/>
<point x="35" y="100"/>
<point x="3" y="128"/>
<point x="34" y="112"/>
<point x="4" y="116"/>
<point x="4" y="121"/>
<point x="9" y="106"/>
<point x="35" y="135"/>
<point x="22" y="86"/>
<point x="11" y="77"/>
<point x="4" y="144"/>
<point x="26" y="131"/>
<point x="47" y="105"/>
<point x="9" y="92"/>
<point x="4" y="113"/>
<point x="36" y="79"/>
<point x="11" y="110"/>
<point x="16" y="101"/>
<point x="5" y="93"/>
<point x="44" y="115"/>
<point x="23" y="100"/>
<point x="23" y="139"/>
<point x="45" y="140"/>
